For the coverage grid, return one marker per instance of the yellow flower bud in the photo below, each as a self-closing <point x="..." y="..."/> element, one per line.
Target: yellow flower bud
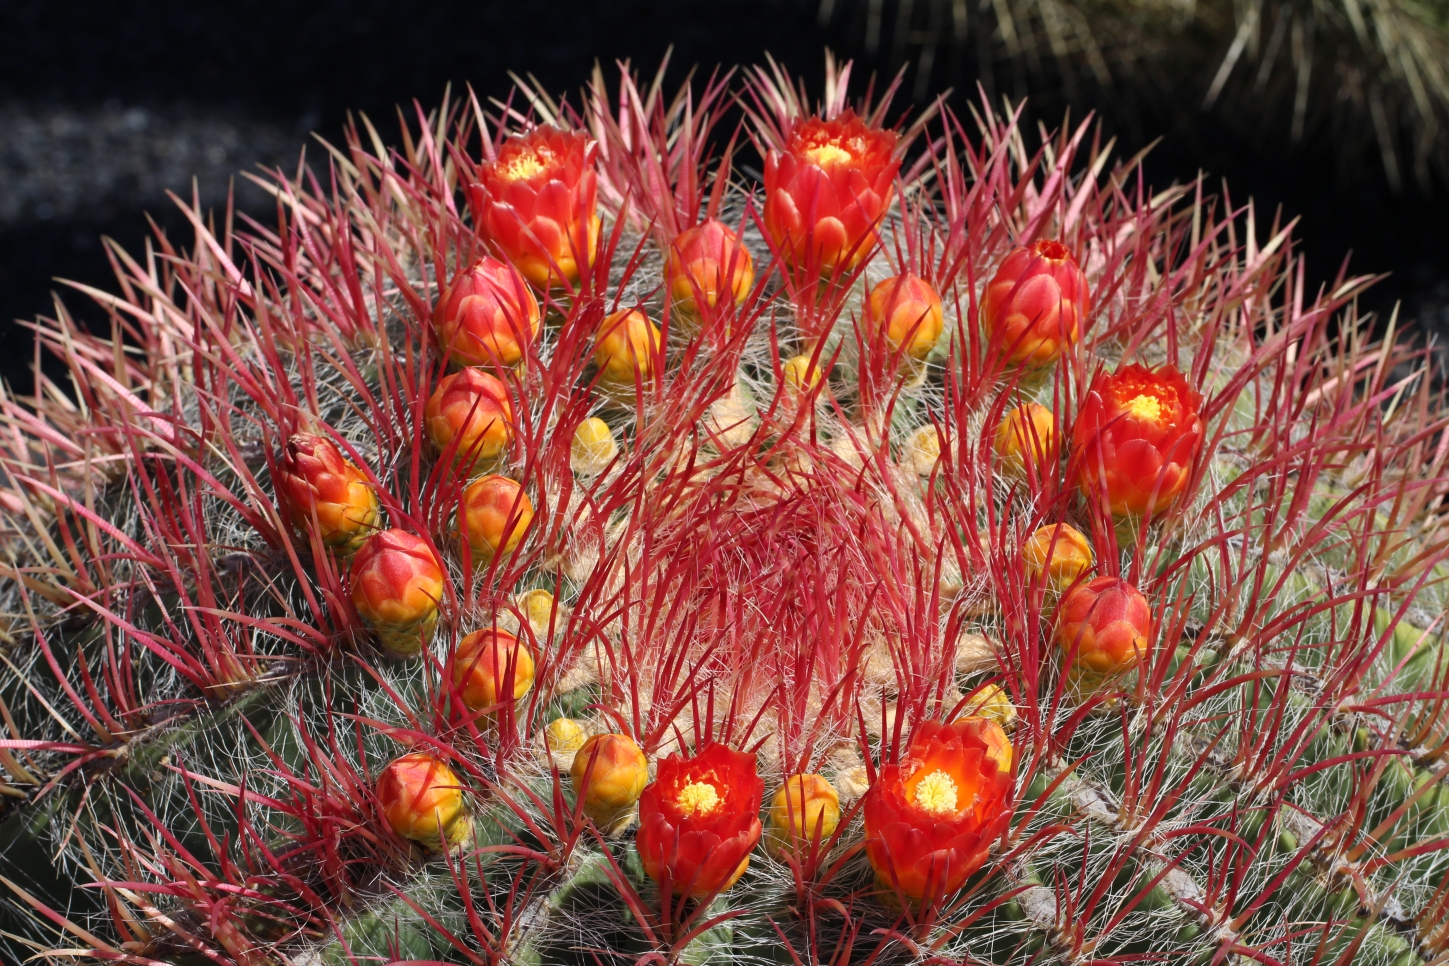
<point x="593" y="448"/>
<point x="799" y="374"/>
<point x="422" y="799"/>
<point x="610" y="772"/>
<point x="1027" y="434"/>
<point x="993" y="703"/>
<point x="806" y="805"/>
<point x="565" y="736"/>
<point x="1059" y="551"/>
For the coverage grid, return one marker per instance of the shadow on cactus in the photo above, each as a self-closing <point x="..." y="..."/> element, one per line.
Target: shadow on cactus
<point x="951" y="550"/>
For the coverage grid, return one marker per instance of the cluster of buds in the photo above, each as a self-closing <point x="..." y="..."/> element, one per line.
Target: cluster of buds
<point x="1104" y="628"/>
<point x="1136" y="437"/>
<point x="827" y="192"/>
<point x="488" y="316"/>
<point x="1033" y="308"/>
<point x="397" y="583"/>
<point x="319" y="489"/>
<point x="495" y="516"/>
<point x="705" y="264"/>
<point x="469" y="415"/>
<point x="535" y="204"/>
<point x="930" y="819"/>
<point x="422" y="800"/>
<point x="700" y="820"/>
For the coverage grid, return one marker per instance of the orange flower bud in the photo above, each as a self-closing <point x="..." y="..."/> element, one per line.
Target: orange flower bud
<point x="1033" y="307"/>
<point x="1135" y="439"/>
<point x="705" y="262"/>
<point x="487" y="662"/>
<point x="908" y="310"/>
<point x="470" y="407"/>
<point x="930" y="819"/>
<point x="1059" y="551"/>
<point x="699" y="821"/>
<point x="422" y="799"/>
<point x="805" y="807"/>
<point x="396" y="585"/>
<point x="1104" y="627"/>
<point x="827" y="192"/>
<point x="313" y="478"/>
<point x="536" y="203"/>
<point x="626" y="343"/>
<point x="1027" y="433"/>
<point x="495" y="517"/>
<point x="610" y="772"/>
<point x="488" y="316"/>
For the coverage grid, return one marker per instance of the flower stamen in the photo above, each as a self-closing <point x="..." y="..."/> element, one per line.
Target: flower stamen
<point x="522" y="167"/>
<point x="1145" y="407"/>
<point x="698" y="798"/>
<point x="936" y="793"/>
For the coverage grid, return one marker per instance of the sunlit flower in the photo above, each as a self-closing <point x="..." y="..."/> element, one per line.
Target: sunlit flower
<point x="1059" y="551"/>
<point x="317" y="486"/>
<point x="1034" y="306"/>
<point x="397" y="583"/>
<point x="495" y="516"/>
<point x="610" y="772"/>
<point x="704" y="263"/>
<point x="469" y="410"/>
<point x="422" y="799"/>
<point x="1104" y="628"/>
<point x="489" y="665"/>
<point x="805" y="809"/>
<point x="827" y="192"/>
<point x="488" y="316"/>
<point x="931" y="818"/>
<point x="535" y="202"/>
<point x="907" y="312"/>
<point x="699" y="821"/>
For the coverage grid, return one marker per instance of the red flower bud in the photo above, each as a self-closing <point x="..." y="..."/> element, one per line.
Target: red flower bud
<point x="496" y="515"/>
<point x="471" y="407"/>
<point x="700" y="819"/>
<point x="705" y="262"/>
<point x="422" y="799"/>
<point x="1135" y="439"/>
<point x="931" y="818"/>
<point x="826" y="193"/>
<point x="536" y="203"/>
<point x="909" y="312"/>
<point x="1104" y="627"/>
<point x="396" y="585"/>
<point x="487" y="662"/>
<point x="488" y="316"/>
<point x="313" y="478"/>
<point x="1035" y="304"/>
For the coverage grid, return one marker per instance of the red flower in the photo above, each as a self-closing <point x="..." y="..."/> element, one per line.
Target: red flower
<point x="488" y="316"/>
<point x="536" y="202"/>
<point x="705" y="262"/>
<point x="700" y="819"/>
<point x="930" y="819"/>
<point x="313" y="480"/>
<point x="1104" y="627"/>
<point x="470" y="410"/>
<point x="1034" y="305"/>
<point x="828" y="190"/>
<point x="1136" y="436"/>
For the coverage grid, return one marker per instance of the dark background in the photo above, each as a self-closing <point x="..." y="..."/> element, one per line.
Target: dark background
<point x="103" y="108"/>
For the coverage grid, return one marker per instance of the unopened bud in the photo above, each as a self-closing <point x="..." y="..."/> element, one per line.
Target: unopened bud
<point x="805" y="807"/>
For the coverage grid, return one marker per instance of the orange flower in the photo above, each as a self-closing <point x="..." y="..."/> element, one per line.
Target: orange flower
<point x="469" y="410"/>
<point x="1135" y="439"/>
<point x="705" y="262"/>
<point x="1104" y="627"/>
<point x="908" y="311"/>
<point x="610" y="772"/>
<point x="626" y="343"/>
<point x="535" y="202"/>
<point x="1059" y="551"/>
<point x="1034" y="305"/>
<point x="1025" y="435"/>
<point x="805" y="807"/>
<point x="495" y="517"/>
<point x="931" y="818"/>
<point x="699" y="820"/>
<point x="313" y="478"/>
<point x="828" y="190"/>
<point x="488" y="316"/>
<point x="486" y="663"/>
<point x="396" y="585"/>
<point x="422" y="799"/>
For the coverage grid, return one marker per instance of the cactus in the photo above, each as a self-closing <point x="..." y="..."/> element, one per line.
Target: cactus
<point x="768" y="643"/>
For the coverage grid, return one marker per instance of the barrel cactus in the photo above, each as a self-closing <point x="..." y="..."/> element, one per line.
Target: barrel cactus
<point x="555" y="540"/>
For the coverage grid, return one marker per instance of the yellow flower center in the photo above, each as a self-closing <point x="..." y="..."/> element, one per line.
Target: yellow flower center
<point x="1145" y="407"/>
<point x="698" y="798"/>
<point x="828" y="154"/>
<point x="936" y="793"/>
<point x="522" y="166"/>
